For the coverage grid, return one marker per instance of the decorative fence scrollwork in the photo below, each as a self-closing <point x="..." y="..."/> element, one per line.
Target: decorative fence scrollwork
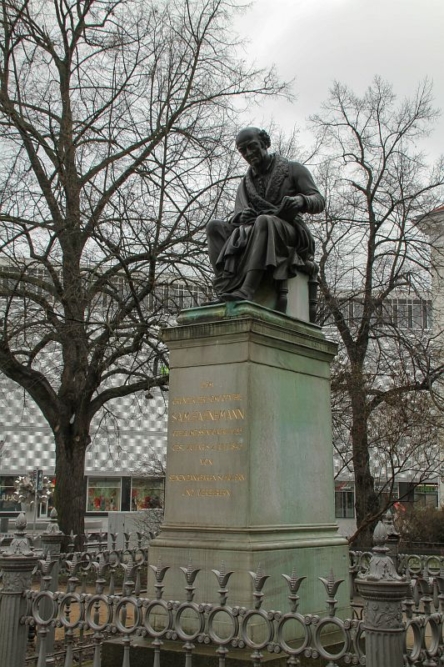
<point x="103" y="597"/>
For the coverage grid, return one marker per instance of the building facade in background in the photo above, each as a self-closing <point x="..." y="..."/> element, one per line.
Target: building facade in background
<point x="125" y="463"/>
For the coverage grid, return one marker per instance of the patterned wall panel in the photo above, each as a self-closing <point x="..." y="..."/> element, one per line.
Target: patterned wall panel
<point x="128" y="438"/>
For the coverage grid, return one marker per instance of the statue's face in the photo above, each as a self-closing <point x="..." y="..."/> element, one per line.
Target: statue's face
<point x="251" y="148"/>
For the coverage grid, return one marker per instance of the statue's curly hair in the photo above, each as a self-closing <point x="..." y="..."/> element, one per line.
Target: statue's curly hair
<point x="263" y="136"/>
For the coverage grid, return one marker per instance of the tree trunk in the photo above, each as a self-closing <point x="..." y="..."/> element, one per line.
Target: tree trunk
<point x="366" y="499"/>
<point x="70" y="491"/>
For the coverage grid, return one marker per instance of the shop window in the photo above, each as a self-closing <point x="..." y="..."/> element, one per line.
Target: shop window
<point x="426" y="495"/>
<point x="344" y="501"/>
<point x="7" y="501"/>
<point x="406" y="492"/>
<point x="104" y="494"/>
<point x="388" y="493"/>
<point x="147" y="493"/>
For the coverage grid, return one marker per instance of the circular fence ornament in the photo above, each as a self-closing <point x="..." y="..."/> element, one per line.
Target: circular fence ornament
<point x="122" y="607"/>
<point x="303" y="622"/>
<point x="233" y="619"/>
<point x="198" y="610"/>
<point x="65" y="610"/>
<point x="90" y="611"/>
<point x="166" y="609"/>
<point x="321" y="625"/>
<point x="47" y="596"/>
<point x="268" y="627"/>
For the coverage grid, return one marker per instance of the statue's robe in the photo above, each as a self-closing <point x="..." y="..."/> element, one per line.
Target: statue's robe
<point x="265" y="240"/>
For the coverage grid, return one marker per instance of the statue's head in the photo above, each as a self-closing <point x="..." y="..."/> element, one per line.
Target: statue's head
<point x="253" y="144"/>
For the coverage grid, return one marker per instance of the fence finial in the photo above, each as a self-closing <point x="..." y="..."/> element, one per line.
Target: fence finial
<point x="53" y="527"/>
<point x="20" y="543"/>
<point x="382" y="590"/>
<point x="381" y="566"/>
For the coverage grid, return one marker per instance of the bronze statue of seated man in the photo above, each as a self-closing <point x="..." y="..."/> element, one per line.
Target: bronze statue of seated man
<point x="266" y="233"/>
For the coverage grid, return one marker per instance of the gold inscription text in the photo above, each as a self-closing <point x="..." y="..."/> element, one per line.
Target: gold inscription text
<point x="201" y="400"/>
<point x="207" y="447"/>
<point x="202" y="432"/>
<point x="208" y="415"/>
<point x="228" y="477"/>
<point x="207" y="492"/>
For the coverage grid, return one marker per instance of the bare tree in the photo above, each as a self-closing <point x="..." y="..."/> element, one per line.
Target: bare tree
<point x="373" y="254"/>
<point x="115" y="116"/>
<point x="403" y="431"/>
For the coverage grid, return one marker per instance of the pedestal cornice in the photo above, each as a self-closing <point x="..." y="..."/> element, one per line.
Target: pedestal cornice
<point x="245" y="321"/>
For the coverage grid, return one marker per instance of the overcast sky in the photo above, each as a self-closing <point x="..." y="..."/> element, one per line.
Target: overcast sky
<point x="318" y="41"/>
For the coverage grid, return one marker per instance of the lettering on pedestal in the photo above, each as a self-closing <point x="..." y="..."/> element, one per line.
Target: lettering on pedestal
<point x="207" y="415"/>
<point x="200" y="493"/>
<point x="229" y="477"/>
<point x="208" y="447"/>
<point x="203" y="400"/>
<point x="217" y="442"/>
<point x="198" y="433"/>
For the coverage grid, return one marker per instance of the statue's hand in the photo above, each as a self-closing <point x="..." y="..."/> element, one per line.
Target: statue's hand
<point x="290" y="207"/>
<point x="248" y="215"/>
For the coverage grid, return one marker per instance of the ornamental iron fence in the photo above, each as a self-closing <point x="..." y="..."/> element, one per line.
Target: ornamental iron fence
<point x="69" y="609"/>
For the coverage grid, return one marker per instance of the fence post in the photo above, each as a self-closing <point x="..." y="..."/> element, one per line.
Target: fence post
<point x="383" y="590"/>
<point x="51" y="539"/>
<point x="393" y="537"/>
<point x="17" y="563"/>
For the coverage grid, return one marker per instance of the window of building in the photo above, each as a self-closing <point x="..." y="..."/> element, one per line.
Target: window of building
<point x="408" y="313"/>
<point x="404" y="313"/>
<point x="388" y="492"/>
<point x="426" y="495"/>
<point x="7" y="501"/>
<point x="423" y="495"/>
<point x="104" y="494"/>
<point x="406" y="492"/>
<point x="147" y="493"/>
<point x="192" y="296"/>
<point x="344" y="501"/>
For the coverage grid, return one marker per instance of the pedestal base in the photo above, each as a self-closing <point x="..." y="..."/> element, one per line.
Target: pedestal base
<point x="308" y="551"/>
<point x="250" y="463"/>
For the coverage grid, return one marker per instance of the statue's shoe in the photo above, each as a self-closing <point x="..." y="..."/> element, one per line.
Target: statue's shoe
<point x="213" y="302"/>
<point x="237" y="295"/>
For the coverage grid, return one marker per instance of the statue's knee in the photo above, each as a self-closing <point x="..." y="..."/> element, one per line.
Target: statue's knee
<point x="261" y="223"/>
<point x="212" y="227"/>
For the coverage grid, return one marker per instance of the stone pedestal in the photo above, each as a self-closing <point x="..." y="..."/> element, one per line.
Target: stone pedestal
<point x="250" y="464"/>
